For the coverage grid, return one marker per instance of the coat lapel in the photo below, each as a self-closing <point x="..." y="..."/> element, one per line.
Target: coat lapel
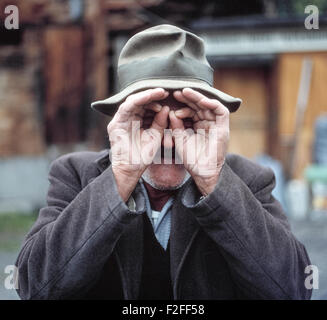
<point x="184" y="229"/>
<point x="129" y="248"/>
<point x="129" y="255"/>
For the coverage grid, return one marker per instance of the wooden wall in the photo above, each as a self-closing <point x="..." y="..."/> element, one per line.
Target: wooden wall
<point x="288" y="81"/>
<point x="248" y="135"/>
<point x="64" y="79"/>
<point x="265" y="121"/>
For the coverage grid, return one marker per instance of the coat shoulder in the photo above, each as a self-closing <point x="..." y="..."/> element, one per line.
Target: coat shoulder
<point x="247" y="169"/>
<point x="80" y="157"/>
<point x="83" y="164"/>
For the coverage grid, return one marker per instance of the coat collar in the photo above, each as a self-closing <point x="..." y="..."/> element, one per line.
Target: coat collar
<point x="129" y="249"/>
<point x="103" y="161"/>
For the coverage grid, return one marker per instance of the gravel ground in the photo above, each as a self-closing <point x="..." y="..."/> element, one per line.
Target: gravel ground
<point x="312" y="234"/>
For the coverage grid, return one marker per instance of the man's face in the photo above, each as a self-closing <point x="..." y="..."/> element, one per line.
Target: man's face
<point x="166" y="176"/>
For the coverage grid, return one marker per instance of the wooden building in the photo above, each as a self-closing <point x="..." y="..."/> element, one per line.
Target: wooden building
<point x="52" y="67"/>
<point x="261" y="60"/>
<point x="63" y="57"/>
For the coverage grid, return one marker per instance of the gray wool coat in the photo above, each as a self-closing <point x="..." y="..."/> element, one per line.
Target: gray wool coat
<point x="88" y="244"/>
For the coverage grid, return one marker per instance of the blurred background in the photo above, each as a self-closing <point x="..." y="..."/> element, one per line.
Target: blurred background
<point x="63" y="56"/>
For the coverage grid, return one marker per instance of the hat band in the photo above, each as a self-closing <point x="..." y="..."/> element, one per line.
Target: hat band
<point x="166" y="68"/>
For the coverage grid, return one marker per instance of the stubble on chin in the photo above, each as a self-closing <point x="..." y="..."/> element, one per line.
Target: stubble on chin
<point x="165" y="177"/>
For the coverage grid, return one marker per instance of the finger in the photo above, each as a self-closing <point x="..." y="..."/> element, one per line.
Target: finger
<point x="144" y="97"/>
<point x="188" y="115"/>
<point x="180" y="97"/>
<point x="185" y="113"/>
<point x="137" y="101"/>
<point x="175" y="122"/>
<point x="178" y="133"/>
<point x="154" y="106"/>
<point x="205" y="124"/>
<point x="134" y="104"/>
<point x="204" y="102"/>
<point x="148" y="113"/>
<point x="160" y="121"/>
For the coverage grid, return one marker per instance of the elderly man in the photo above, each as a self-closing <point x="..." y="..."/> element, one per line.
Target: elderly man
<point x="166" y="214"/>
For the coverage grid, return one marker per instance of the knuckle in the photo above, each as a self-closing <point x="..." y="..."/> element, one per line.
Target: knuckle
<point x="128" y="99"/>
<point x="224" y="134"/>
<point x="226" y="111"/>
<point x="109" y="126"/>
<point x="215" y="102"/>
<point x="220" y="105"/>
<point x="112" y="124"/>
<point x="122" y="106"/>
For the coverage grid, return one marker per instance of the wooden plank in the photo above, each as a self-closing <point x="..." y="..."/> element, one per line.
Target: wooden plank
<point x="301" y="106"/>
<point x="289" y="70"/>
<point x="248" y="125"/>
<point x="64" y="78"/>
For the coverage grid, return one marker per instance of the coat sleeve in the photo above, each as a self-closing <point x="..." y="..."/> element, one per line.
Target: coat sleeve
<point x="73" y="236"/>
<point x="251" y="230"/>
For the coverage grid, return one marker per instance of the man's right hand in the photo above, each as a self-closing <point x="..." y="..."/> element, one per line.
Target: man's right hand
<point x="130" y="157"/>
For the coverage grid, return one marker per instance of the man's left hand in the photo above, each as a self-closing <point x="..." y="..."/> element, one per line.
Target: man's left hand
<point x="203" y="150"/>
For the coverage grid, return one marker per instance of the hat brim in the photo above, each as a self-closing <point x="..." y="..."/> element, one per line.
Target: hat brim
<point x="110" y="105"/>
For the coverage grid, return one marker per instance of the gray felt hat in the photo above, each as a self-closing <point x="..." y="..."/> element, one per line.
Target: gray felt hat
<point x="167" y="57"/>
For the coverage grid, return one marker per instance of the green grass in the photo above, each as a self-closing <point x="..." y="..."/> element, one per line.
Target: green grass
<point x="13" y="228"/>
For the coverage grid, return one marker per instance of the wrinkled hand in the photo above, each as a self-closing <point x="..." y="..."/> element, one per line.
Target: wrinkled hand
<point x="203" y="150"/>
<point x="129" y="155"/>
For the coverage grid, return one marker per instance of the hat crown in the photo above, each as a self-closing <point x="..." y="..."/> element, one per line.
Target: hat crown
<point x="163" y="52"/>
<point x="163" y="41"/>
<point x="166" y="57"/>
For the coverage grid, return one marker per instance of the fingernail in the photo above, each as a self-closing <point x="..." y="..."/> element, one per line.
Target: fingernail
<point x="178" y="112"/>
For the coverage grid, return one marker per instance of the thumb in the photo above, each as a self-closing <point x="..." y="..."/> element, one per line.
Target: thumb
<point x="160" y="121"/>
